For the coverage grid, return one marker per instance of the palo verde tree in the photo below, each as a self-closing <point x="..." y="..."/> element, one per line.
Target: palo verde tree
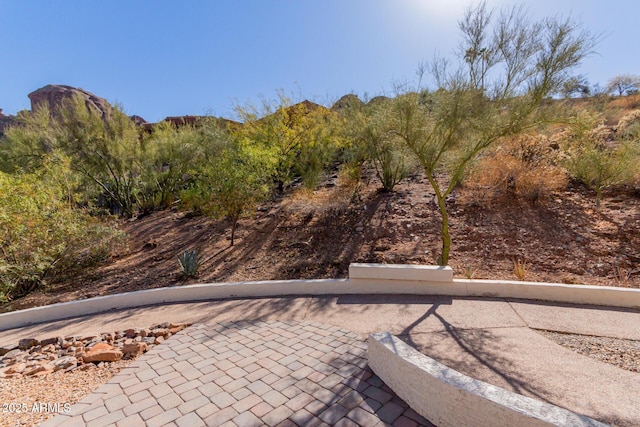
<point x="509" y="66"/>
<point x="106" y="151"/>
<point x="173" y="157"/>
<point x="295" y="139"/>
<point x="376" y="141"/>
<point x="237" y="185"/>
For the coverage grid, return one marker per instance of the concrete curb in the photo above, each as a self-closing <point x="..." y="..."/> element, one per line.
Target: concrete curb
<point x="369" y="279"/>
<point x="448" y="398"/>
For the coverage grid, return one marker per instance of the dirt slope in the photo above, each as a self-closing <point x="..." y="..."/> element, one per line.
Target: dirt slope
<point x="561" y="239"/>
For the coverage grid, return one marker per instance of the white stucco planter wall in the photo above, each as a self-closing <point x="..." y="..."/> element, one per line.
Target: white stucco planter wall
<point x="556" y="292"/>
<point x="364" y="279"/>
<point x="448" y="398"/>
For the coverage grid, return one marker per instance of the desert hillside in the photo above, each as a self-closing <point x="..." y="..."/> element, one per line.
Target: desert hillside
<point x="96" y="202"/>
<point x="317" y="234"/>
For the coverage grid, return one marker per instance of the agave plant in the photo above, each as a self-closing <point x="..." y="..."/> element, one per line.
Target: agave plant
<point x="190" y="262"/>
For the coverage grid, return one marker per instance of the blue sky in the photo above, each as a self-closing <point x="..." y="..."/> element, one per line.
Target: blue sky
<point x="162" y="58"/>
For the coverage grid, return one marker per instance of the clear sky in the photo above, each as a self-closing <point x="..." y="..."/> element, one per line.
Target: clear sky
<point x="164" y="58"/>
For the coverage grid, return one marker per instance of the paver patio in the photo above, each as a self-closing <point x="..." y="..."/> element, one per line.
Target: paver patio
<point x="247" y="374"/>
<point x="491" y="339"/>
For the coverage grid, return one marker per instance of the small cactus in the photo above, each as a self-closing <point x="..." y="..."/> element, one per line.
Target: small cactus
<point x="190" y="262"/>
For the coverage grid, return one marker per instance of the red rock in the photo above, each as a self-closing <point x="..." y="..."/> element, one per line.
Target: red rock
<point x="38" y="369"/>
<point x="135" y="349"/>
<point x="101" y="346"/>
<point x="102" y="352"/>
<point x="160" y="332"/>
<point x="16" y="369"/>
<point x="174" y="329"/>
<point x="52" y="96"/>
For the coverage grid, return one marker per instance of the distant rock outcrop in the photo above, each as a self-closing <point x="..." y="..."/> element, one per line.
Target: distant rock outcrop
<point x="347" y="101"/>
<point x="376" y="100"/>
<point x="139" y="121"/>
<point x="53" y="95"/>
<point x="5" y="121"/>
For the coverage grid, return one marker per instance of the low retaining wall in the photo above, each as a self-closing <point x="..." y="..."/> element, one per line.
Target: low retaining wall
<point x="448" y="398"/>
<point x="363" y="279"/>
<point x="175" y="294"/>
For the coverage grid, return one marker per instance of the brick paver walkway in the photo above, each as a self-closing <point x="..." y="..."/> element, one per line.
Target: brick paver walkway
<point x="247" y="374"/>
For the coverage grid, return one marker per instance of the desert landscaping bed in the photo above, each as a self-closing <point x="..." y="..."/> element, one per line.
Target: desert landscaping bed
<point x="42" y="377"/>
<point x="624" y="354"/>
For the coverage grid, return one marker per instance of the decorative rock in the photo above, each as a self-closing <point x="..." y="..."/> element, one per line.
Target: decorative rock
<point x="37" y="369"/>
<point x="4" y="351"/>
<point x="12" y="354"/>
<point x="38" y="358"/>
<point x="49" y="348"/>
<point x="174" y="329"/>
<point x="54" y="341"/>
<point x="16" y="369"/>
<point x="134" y="349"/>
<point x="102" y="352"/>
<point x="64" y="363"/>
<point x="160" y="332"/>
<point x="27" y="343"/>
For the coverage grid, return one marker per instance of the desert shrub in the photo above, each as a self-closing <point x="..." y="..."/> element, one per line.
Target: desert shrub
<point x="42" y="237"/>
<point x="628" y="127"/>
<point x="374" y="140"/>
<point x="103" y="152"/>
<point x="601" y="166"/>
<point x="319" y="147"/>
<point x="172" y="158"/>
<point x="237" y="184"/>
<point x="295" y="139"/>
<point x="27" y="143"/>
<point x="524" y="168"/>
<point x="591" y="154"/>
<point x="229" y="185"/>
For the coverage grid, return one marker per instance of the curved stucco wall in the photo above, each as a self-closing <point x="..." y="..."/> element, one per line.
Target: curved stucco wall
<point x="363" y="279"/>
<point x="448" y="398"/>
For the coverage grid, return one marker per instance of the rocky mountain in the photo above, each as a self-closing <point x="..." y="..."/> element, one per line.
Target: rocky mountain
<point x="53" y="95"/>
<point x="347" y="101"/>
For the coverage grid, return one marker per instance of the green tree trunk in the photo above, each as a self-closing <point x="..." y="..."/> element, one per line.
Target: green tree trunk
<point x="444" y="233"/>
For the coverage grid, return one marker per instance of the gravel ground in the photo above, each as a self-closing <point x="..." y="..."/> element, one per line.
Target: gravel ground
<point x="624" y="354"/>
<point x="28" y="401"/>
